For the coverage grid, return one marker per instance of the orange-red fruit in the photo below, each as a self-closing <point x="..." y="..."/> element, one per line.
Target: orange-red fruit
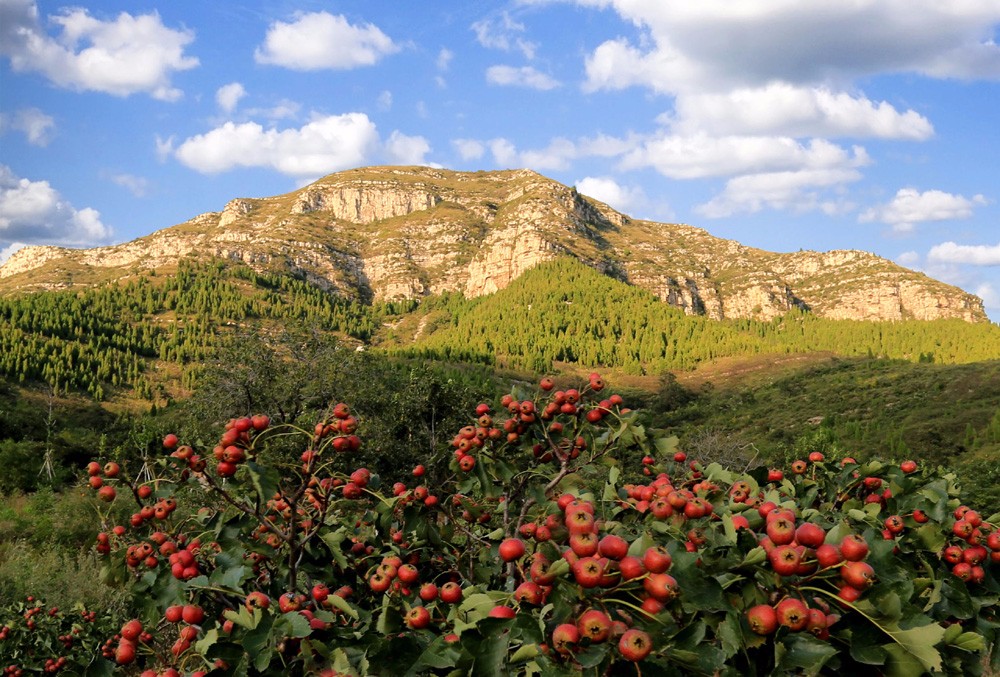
<point x="635" y="645"/>
<point x="511" y="549"/>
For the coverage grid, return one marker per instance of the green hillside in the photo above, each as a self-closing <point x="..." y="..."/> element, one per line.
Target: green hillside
<point x="145" y="338"/>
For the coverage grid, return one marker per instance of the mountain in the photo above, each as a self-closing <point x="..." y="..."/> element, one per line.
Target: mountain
<point x="392" y="233"/>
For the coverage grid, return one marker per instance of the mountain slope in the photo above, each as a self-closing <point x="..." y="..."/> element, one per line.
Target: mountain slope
<point x="386" y="233"/>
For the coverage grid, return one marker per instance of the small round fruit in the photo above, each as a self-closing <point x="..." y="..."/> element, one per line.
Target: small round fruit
<point x="511" y="549"/>
<point x="635" y="645"/>
<point x="762" y="619"/>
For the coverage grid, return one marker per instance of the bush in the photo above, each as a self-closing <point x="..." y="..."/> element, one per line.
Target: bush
<point x="533" y="548"/>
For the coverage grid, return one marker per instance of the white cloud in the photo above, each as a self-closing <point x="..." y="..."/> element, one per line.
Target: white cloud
<point x="136" y="185"/>
<point x="691" y="46"/>
<point x="800" y="191"/>
<point x="282" y="110"/>
<point x="503" y="32"/>
<point x="228" y="96"/>
<point x="123" y="56"/>
<point x="910" y="207"/>
<point x="910" y="259"/>
<point x="525" y="76"/>
<point x="33" y="212"/>
<point x="782" y="108"/>
<point x="36" y="126"/>
<point x="384" y="100"/>
<point x="976" y="255"/>
<point x="702" y="155"/>
<point x="990" y="296"/>
<point x="324" y="145"/>
<point x="407" y="150"/>
<point x="469" y="149"/>
<point x="444" y="58"/>
<point x="9" y="251"/>
<point x="504" y="153"/>
<point x="623" y="198"/>
<point x="319" y="40"/>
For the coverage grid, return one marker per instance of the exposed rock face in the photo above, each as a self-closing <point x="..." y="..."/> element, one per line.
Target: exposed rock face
<point x="404" y="232"/>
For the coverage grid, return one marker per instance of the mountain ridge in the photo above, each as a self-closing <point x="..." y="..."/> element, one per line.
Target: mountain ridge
<point x="391" y="233"/>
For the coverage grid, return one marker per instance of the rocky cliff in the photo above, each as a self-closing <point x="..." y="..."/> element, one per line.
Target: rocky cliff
<point x="406" y="232"/>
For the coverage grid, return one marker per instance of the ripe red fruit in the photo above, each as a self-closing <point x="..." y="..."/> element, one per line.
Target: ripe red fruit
<point x="192" y="614"/>
<point x="173" y="614"/>
<point x="854" y="548"/>
<point x="792" y="613"/>
<point x="111" y="469"/>
<point x="125" y="653"/>
<point x="511" y="549"/>
<point x="908" y="466"/>
<point x="781" y="530"/>
<point x="762" y="619"/>
<point x="93" y="468"/>
<point x="680" y="457"/>
<point x="775" y="475"/>
<point x="419" y="471"/>
<point x="828" y="555"/>
<point x="656" y="559"/>
<point x="565" y="637"/>
<point x="785" y="560"/>
<point x="894" y="524"/>
<point x="502" y="611"/>
<point x="858" y="574"/>
<point x="799" y="467"/>
<point x="529" y="592"/>
<point x="320" y="592"/>
<point x="170" y="441"/>
<point x="613" y="547"/>
<point x="257" y="600"/>
<point x="428" y="592"/>
<point x="131" y="630"/>
<point x="810" y="535"/>
<point x="418" y="617"/>
<point x="547" y="384"/>
<point x="816" y="457"/>
<point x="588" y="572"/>
<point x="631" y="567"/>
<point x="661" y="586"/>
<point x="107" y="494"/>
<point x="594" y="624"/>
<point x="635" y="645"/>
<point x="451" y="593"/>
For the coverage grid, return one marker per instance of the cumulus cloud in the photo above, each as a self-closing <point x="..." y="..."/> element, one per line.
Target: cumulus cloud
<point x="469" y="149"/>
<point x="36" y="126"/>
<point x="782" y="108"/>
<point x="228" y="96"/>
<point x="326" y="144"/>
<point x="800" y="191"/>
<point x="910" y="259"/>
<point x="976" y="255"/>
<point x="989" y="294"/>
<point x="910" y="207"/>
<point x="123" y="56"/>
<point x="702" y="155"/>
<point x="444" y="58"/>
<point x="320" y="40"/>
<point x="407" y="150"/>
<point x="504" y="33"/>
<point x="33" y="212"/>
<point x="525" y="76"/>
<point x="626" y="199"/>
<point x="690" y="44"/>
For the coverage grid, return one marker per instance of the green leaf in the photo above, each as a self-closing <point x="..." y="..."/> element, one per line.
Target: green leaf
<point x="802" y="653"/>
<point x="265" y="480"/>
<point x="205" y="643"/>
<point x="293" y="624"/>
<point x="970" y="641"/>
<point x="333" y="539"/>
<point x="343" y="605"/>
<point x="931" y="537"/>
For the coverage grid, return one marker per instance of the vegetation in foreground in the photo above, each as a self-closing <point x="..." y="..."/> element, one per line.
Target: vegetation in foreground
<point x="557" y="536"/>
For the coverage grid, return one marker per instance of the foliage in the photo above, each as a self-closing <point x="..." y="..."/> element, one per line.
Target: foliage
<point x="540" y="527"/>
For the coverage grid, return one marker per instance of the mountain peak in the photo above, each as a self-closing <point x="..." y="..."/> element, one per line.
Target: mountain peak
<point x="384" y="233"/>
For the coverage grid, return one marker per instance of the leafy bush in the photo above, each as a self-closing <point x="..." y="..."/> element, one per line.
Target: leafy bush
<point x="538" y="547"/>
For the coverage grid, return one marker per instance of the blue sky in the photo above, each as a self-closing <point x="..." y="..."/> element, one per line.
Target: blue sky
<point x="784" y="124"/>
